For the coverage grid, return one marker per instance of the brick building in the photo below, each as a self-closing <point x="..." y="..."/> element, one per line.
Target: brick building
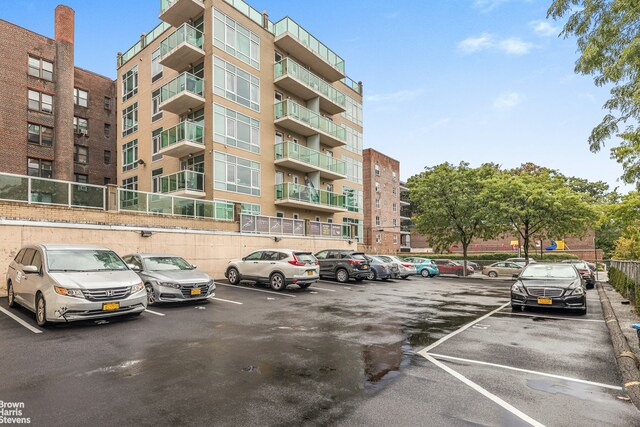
<point x="56" y="120"/>
<point x="381" y="202"/>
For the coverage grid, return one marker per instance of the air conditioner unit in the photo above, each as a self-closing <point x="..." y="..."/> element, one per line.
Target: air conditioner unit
<point x="83" y="132"/>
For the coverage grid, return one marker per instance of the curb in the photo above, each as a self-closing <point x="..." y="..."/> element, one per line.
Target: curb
<point x="626" y="359"/>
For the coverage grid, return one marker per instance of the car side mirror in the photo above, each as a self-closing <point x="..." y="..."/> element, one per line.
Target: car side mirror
<point x="515" y="275"/>
<point x="194" y="266"/>
<point x="244" y="258"/>
<point x="134" y="267"/>
<point x="30" y="269"/>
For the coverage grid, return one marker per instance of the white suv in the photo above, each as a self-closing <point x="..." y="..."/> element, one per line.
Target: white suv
<point x="277" y="267"/>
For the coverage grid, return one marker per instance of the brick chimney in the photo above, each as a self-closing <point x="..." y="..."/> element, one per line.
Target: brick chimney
<point x="63" y="102"/>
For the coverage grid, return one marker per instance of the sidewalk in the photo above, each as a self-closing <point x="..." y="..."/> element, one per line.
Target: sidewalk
<point x="625" y="313"/>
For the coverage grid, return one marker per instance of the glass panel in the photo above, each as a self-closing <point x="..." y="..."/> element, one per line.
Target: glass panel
<point x="87" y="196"/>
<point x="14" y="188"/>
<point x="50" y="192"/>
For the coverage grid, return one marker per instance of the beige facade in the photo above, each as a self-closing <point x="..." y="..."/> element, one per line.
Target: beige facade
<point x="266" y="117"/>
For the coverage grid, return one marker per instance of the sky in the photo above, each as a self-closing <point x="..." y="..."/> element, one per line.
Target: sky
<point x="444" y="80"/>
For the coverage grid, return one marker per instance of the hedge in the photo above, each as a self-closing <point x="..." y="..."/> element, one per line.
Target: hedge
<point x="494" y="256"/>
<point x="625" y="285"/>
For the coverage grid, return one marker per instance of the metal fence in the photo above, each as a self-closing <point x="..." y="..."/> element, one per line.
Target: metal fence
<point x="260" y="224"/>
<point x="34" y="190"/>
<point x="631" y="269"/>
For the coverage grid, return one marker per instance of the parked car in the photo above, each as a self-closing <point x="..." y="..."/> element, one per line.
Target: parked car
<point x="277" y="267"/>
<point x="424" y="266"/>
<point x="477" y="268"/>
<point x="586" y="273"/>
<point x="343" y="264"/>
<point x="63" y="283"/>
<point x="521" y="261"/>
<point x="405" y="269"/>
<point x="549" y="285"/>
<point x="591" y="265"/>
<point x="502" y="268"/>
<point x="447" y="266"/>
<point x="379" y="269"/>
<point x="169" y="278"/>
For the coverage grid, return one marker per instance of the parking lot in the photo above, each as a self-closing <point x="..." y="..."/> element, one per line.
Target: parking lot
<point x="372" y="353"/>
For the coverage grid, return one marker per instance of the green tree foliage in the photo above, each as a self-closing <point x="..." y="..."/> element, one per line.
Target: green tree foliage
<point x="450" y="205"/>
<point x="537" y="203"/>
<point x="625" y="217"/>
<point x="608" y="40"/>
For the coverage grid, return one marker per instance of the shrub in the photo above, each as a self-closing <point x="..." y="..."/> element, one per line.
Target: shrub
<point x="625" y="285"/>
<point x="494" y="256"/>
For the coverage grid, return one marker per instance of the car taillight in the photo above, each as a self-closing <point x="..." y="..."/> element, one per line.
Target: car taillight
<point x="297" y="263"/>
<point x="406" y="265"/>
<point x="354" y="262"/>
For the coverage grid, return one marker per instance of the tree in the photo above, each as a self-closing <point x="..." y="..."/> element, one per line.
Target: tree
<point x="450" y="205"/>
<point x="607" y="38"/>
<point x="537" y="203"/>
<point x="625" y="218"/>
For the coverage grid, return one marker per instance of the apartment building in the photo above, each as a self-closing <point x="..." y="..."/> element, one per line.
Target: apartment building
<point x="382" y="203"/>
<point x="220" y="103"/>
<point x="406" y="223"/>
<point x="58" y="120"/>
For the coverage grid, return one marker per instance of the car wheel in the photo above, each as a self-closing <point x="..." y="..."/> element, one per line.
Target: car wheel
<point x="372" y="275"/>
<point x="591" y="286"/>
<point x="492" y="274"/>
<point x="517" y="308"/>
<point x="304" y="285"/>
<point x="233" y="276"/>
<point x="151" y="296"/>
<point x="342" y="275"/>
<point x="41" y="310"/>
<point x="11" y="296"/>
<point x="277" y="282"/>
<point x="424" y="273"/>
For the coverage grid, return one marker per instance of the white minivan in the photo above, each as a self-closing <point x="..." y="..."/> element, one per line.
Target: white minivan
<point x="63" y="283"/>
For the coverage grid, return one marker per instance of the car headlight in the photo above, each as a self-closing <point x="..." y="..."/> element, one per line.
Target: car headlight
<point x="577" y="291"/>
<point x="169" y="285"/>
<point x="518" y="289"/>
<point x="76" y="293"/>
<point x="137" y="287"/>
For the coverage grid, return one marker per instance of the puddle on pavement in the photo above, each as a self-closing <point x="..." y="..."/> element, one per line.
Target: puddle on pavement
<point x="578" y="390"/>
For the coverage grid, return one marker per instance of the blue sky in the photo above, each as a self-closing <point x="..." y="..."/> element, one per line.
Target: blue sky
<point x="444" y="80"/>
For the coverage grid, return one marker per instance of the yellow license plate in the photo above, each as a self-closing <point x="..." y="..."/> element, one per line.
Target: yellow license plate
<point x="310" y="273"/>
<point x="196" y="291"/>
<point x="545" y="301"/>
<point x="110" y="306"/>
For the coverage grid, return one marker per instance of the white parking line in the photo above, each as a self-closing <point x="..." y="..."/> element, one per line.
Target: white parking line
<point x="322" y="289"/>
<point x="226" y="300"/>
<point x="506" y="313"/>
<point x="527" y="371"/>
<point x="425" y="350"/>
<point x="21" y="322"/>
<point x="256" y="290"/>
<point x="484" y="392"/>
<point x="155" y="312"/>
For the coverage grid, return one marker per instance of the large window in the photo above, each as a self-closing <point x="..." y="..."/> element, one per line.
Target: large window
<point x="156" y="180"/>
<point x="354" y="140"/>
<point x="353" y="111"/>
<point x="236" y="174"/>
<point x="130" y="119"/>
<point x="38" y="134"/>
<point x="353" y="199"/>
<point x="156" y="67"/>
<point x="39" y="101"/>
<point x="81" y="125"/>
<point x="130" y="183"/>
<point x="156" y="145"/>
<point x="353" y="169"/>
<point x="130" y="155"/>
<point x="235" y="84"/>
<point x="156" y="113"/>
<point x="235" y="39"/>
<point x="236" y="129"/>
<point x="130" y="83"/>
<point x="346" y="229"/>
<point x="80" y="97"/>
<point x="80" y="154"/>
<point x="40" y="68"/>
<point x="40" y="168"/>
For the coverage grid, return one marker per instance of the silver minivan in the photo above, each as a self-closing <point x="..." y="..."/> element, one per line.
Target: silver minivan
<point x="63" y="283"/>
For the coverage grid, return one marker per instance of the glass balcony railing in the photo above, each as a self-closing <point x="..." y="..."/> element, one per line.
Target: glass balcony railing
<point x="290" y="191"/>
<point x="289" y="67"/>
<point x="161" y="204"/>
<point x="309" y="156"/>
<point x="182" y="132"/>
<point x="185" y="82"/>
<point x="182" y="181"/>
<point x="288" y="25"/>
<point x="288" y="108"/>
<point x="185" y="33"/>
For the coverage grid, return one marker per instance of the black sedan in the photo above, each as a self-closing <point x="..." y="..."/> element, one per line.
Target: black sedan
<point x="551" y="286"/>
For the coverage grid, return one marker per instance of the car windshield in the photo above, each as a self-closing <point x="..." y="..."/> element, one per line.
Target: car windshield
<point x="83" y="260"/>
<point x="166" y="263"/>
<point x="549" y="272"/>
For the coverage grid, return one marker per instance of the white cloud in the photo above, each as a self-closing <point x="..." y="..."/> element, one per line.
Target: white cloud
<point x="476" y="44"/>
<point x="488" y="5"/>
<point x="398" y="96"/>
<point x="507" y="101"/>
<point x="515" y="46"/>
<point x="544" y="28"/>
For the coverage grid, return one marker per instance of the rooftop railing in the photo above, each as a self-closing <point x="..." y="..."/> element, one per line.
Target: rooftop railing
<point x="149" y="37"/>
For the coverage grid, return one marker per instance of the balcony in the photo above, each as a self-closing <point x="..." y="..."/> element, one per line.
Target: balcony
<point x="305" y="122"/>
<point x="181" y="140"/>
<point x="300" y="158"/>
<point x="296" y="79"/>
<point x="181" y="48"/>
<point x="182" y="93"/>
<point x="177" y="12"/>
<point x="295" y="40"/>
<point x="183" y="183"/>
<point x="300" y="196"/>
